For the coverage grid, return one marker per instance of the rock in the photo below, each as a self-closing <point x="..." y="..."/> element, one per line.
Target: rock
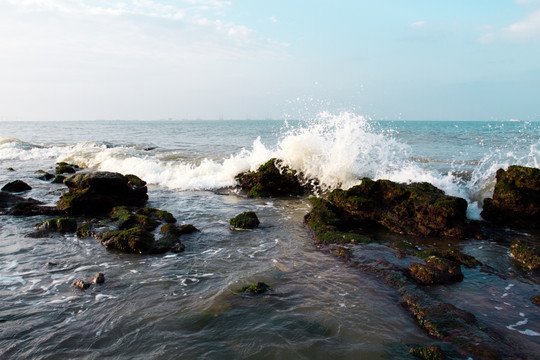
<point x="516" y="198"/>
<point x="99" y="192"/>
<point x="65" y="168"/>
<point x="59" y="179"/>
<point x="437" y="270"/>
<point x="7" y="200"/>
<point x="271" y="179"/>
<point x="85" y="229"/>
<point x="246" y="220"/>
<point x="255" y="289"/>
<point x="157" y="214"/>
<point x="428" y="353"/>
<point x="61" y="225"/>
<point x="174" y="230"/>
<point x="135" y="240"/>
<point x="16" y="186"/>
<point x="81" y="284"/>
<point x="32" y="207"/>
<point x="45" y="176"/>
<point x="99" y="278"/>
<point x="10" y="169"/>
<point x="526" y="253"/>
<point x="536" y="300"/>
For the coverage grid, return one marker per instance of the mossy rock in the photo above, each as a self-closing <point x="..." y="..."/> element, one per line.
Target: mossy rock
<point x="16" y="186"/>
<point x="427" y="353"/>
<point x="85" y="229"/>
<point x="161" y="215"/>
<point x="65" y="168"/>
<point x="61" y="225"/>
<point x="175" y="230"/>
<point x="10" y="169"/>
<point x="271" y="179"/>
<point x="437" y="270"/>
<point x="44" y="175"/>
<point x="527" y="254"/>
<point x="246" y="220"/>
<point x="59" y="179"/>
<point x="536" y="300"/>
<point x="134" y="240"/>
<point x="254" y="289"/>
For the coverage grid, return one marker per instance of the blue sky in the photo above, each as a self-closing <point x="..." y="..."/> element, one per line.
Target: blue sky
<point x="210" y="59"/>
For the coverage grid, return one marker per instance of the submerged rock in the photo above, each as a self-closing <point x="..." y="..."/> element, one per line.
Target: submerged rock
<point x="526" y="253"/>
<point x="271" y="179"/>
<point x="99" y="192"/>
<point x="437" y="270"/>
<point x="59" y="179"/>
<point x="81" y="284"/>
<point x="61" y="225"/>
<point x="246" y="220"/>
<point x="45" y="176"/>
<point x="99" y="278"/>
<point x="427" y="353"/>
<point x="65" y="168"/>
<point x="16" y="186"/>
<point x="135" y="240"/>
<point x="516" y="198"/>
<point x="257" y="288"/>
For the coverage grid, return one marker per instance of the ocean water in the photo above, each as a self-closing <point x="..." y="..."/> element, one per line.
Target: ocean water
<point x="186" y="305"/>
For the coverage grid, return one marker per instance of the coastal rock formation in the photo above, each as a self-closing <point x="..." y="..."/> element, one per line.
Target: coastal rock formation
<point x="270" y="180"/>
<point x="516" y="198"/>
<point x="418" y="209"/>
<point x="99" y="192"/>
<point x="526" y="253"/>
<point x="65" y="168"/>
<point x="246" y="220"/>
<point x="257" y="288"/>
<point x="16" y="186"/>
<point x="436" y="270"/>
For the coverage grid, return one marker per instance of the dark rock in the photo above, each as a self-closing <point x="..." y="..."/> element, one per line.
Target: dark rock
<point x="61" y="225"/>
<point x="246" y="220"/>
<point x="536" y="300"/>
<point x="59" y="179"/>
<point x="271" y="179"/>
<point x="31" y="207"/>
<point x="175" y="230"/>
<point x="7" y="200"/>
<point x="99" y="192"/>
<point x="81" y="284"/>
<point x="134" y="240"/>
<point x="99" y="278"/>
<point x="255" y="289"/>
<point x="428" y="353"/>
<point x="526" y="253"/>
<point x="45" y="176"/>
<point x="10" y="169"/>
<point x="65" y="168"/>
<point x="437" y="270"/>
<point x="516" y="198"/>
<point x="85" y="229"/>
<point x="16" y="186"/>
<point x="157" y="214"/>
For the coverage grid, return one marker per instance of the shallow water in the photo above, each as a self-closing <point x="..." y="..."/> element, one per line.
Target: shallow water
<point x="187" y="305"/>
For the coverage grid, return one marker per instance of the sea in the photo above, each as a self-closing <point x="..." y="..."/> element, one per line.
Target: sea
<point x="187" y="305"/>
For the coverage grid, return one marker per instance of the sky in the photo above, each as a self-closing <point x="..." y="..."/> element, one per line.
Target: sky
<point x="261" y="59"/>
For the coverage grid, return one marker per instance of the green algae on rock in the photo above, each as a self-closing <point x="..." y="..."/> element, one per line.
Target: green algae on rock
<point x="527" y="254"/>
<point x="16" y="186"/>
<point x="257" y="288"/>
<point x="245" y="220"/>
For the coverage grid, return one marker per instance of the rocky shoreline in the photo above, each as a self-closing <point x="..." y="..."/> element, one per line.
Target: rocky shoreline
<point x="111" y="208"/>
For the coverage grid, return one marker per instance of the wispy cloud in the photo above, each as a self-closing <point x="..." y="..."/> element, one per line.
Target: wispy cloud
<point x="526" y="28"/>
<point x="418" y="24"/>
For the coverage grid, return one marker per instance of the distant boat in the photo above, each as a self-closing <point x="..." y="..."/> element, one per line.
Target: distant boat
<point x="514" y="120"/>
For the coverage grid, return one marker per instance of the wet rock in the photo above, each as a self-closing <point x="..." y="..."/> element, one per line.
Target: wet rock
<point x="81" y="284"/>
<point x="59" y="179"/>
<point x="99" y="192"/>
<point x="526" y="253"/>
<point x="536" y="300"/>
<point x="65" y="168"/>
<point x="61" y="225"/>
<point x="45" y="176"/>
<point x="418" y="209"/>
<point x="135" y="240"/>
<point x="10" y="169"/>
<point x="437" y="270"/>
<point x="157" y="214"/>
<point x="85" y="229"/>
<point x="246" y="220"/>
<point x="175" y="230"/>
<point x="32" y="207"/>
<point x="271" y="179"/>
<point x="7" y="200"/>
<point x="516" y="198"/>
<point x="126" y="219"/>
<point x="16" y="186"/>
<point x="427" y="353"/>
<point x="99" y="278"/>
<point x="255" y="289"/>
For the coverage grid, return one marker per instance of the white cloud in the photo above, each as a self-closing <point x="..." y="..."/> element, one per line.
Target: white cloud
<point x="526" y="28"/>
<point x="273" y="19"/>
<point x="418" y="24"/>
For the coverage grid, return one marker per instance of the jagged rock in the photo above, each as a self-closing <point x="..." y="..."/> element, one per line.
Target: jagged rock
<point x="427" y="353"/>
<point x="436" y="271"/>
<point x="16" y="186"/>
<point x="99" y="192"/>
<point x="59" y="179"/>
<point x="32" y="207"/>
<point x="134" y="240"/>
<point x="271" y="179"/>
<point x="526" y="253"/>
<point x="246" y="220"/>
<point x="516" y="198"/>
<point x="61" y="225"/>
